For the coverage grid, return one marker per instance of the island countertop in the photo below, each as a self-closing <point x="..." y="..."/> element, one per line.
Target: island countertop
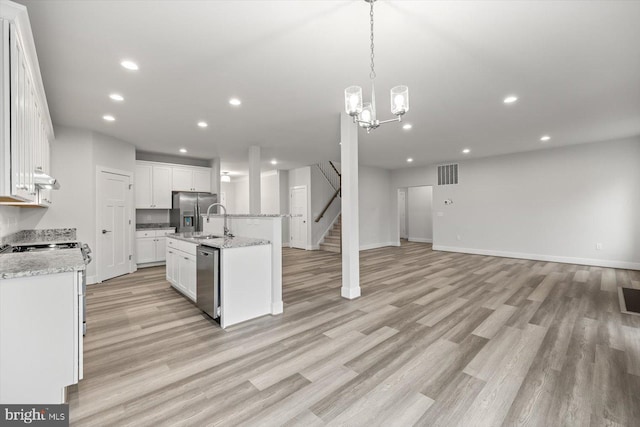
<point x="218" y="242"/>
<point x="253" y="215"/>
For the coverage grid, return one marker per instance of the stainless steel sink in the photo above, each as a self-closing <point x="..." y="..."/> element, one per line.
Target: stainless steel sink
<point x="208" y="236"/>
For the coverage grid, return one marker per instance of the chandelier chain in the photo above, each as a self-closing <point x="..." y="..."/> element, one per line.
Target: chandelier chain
<point x="372" y="74"/>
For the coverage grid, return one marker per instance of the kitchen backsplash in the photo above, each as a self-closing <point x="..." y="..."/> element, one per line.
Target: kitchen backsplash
<point x="152" y="216"/>
<point x="9" y="220"/>
<point x="42" y="235"/>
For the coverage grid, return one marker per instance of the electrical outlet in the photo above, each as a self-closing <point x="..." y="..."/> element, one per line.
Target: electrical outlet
<point x="598" y="246"/>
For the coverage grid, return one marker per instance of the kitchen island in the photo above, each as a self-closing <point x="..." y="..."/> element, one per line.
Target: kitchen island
<point x="258" y="226"/>
<point x="244" y="273"/>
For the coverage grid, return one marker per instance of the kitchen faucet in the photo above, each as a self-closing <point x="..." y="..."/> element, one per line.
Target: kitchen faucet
<point x="227" y="232"/>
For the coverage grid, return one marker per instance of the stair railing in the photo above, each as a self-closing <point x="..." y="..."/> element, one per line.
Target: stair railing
<point x="334" y="177"/>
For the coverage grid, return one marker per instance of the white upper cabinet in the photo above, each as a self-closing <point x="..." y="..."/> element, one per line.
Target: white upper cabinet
<point x="25" y="124"/>
<point x="187" y="178"/>
<point x="153" y="186"/>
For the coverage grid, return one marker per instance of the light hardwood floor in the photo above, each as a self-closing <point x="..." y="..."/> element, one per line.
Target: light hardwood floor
<point x="437" y="339"/>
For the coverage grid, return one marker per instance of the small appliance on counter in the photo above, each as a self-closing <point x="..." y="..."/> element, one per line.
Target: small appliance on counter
<point x="187" y="208"/>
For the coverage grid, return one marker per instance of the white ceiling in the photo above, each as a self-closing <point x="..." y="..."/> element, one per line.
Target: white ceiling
<point x="574" y="65"/>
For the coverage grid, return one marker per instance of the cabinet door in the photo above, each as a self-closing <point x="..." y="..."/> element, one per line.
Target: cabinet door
<point x="171" y="265"/>
<point x="202" y="181"/>
<point x="161" y="248"/>
<point x="190" y="282"/>
<point x="143" y="182"/>
<point x="183" y="271"/>
<point x="145" y="250"/>
<point x="182" y="179"/>
<point x="19" y="125"/>
<point x="162" y="187"/>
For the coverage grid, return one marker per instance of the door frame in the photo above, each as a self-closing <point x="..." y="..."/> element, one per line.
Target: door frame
<point x="308" y="233"/>
<point x="402" y="190"/>
<point x="98" y="219"/>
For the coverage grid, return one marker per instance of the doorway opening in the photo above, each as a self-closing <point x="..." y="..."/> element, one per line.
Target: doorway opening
<point x="415" y="214"/>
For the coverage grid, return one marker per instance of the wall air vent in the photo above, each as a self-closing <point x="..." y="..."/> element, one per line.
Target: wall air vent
<point x="448" y="174"/>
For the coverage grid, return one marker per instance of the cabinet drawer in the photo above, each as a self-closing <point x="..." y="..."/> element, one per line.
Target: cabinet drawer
<point x="145" y="233"/>
<point x="172" y="243"/>
<point x="187" y="247"/>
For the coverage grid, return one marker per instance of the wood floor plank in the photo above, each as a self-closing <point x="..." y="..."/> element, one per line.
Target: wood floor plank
<point x="436" y="339"/>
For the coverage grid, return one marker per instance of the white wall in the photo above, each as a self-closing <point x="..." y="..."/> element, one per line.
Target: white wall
<point x="374" y="208"/>
<point x="553" y="204"/>
<point x="75" y="154"/>
<point x="419" y="218"/>
<point x="269" y="193"/>
<point x="9" y="220"/>
<point x="283" y="182"/>
<point x="228" y="188"/>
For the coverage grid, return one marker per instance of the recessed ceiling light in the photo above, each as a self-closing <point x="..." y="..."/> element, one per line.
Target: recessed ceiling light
<point x="510" y="99"/>
<point x="203" y="124"/>
<point x="466" y="151"/>
<point x="407" y="126"/>
<point x="545" y="138"/>
<point x="108" y="117"/>
<point x="235" y="101"/>
<point x="183" y="150"/>
<point x="409" y="160"/>
<point x="274" y="162"/>
<point x="129" y="65"/>
<point x="225" y="177"/>
<point x="116" y="97"/>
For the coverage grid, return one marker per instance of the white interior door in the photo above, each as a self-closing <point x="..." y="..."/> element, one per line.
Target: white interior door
<point x="299" y="223"/>
<point x="402" y="213"/>
<point x="114" y="228"/>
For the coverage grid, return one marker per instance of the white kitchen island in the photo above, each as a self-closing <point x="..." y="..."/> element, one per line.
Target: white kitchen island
<point x="263" y="226"/>
<point x="244" y="273"/>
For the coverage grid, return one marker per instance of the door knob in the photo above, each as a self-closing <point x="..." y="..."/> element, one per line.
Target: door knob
<point x="106" y="231"/>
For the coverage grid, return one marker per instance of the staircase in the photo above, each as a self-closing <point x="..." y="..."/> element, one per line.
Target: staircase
<point x="331" y="241"/>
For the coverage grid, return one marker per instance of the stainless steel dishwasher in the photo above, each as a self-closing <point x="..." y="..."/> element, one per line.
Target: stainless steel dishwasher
<point x="208" y="281"/>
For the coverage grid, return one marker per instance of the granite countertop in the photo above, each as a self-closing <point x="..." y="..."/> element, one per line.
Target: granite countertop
<point x="153" y="226"/>
<point x="256" y="215"/>
<point x="219" y="242"/>
<point x="25" y="264"/>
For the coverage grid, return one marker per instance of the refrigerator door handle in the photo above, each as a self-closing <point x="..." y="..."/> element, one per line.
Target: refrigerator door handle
<point x="197" y="219"/>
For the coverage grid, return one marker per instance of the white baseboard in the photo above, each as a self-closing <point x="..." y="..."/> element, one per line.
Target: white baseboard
<point x="277" y="307"/>
<point x="92" y="280"/>
<point x="377" y="245"/>
<point x="537" y="257"/>
<point x="350" y="293"/>
<point x="420" y="240"/>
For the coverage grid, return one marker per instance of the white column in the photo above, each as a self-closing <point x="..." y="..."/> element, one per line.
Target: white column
<point x="350" y="221"/>
<point x="215" y="177"/>
<point x="254" y="180"/>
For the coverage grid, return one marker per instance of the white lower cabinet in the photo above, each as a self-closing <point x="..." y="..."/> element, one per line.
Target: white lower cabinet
<point x="181" y="266"/>
<point x="151" y="245"/>
<point x="42" y="346"/>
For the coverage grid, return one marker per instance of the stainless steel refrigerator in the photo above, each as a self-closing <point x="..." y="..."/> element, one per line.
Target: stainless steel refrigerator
<point x="187" y="209"/>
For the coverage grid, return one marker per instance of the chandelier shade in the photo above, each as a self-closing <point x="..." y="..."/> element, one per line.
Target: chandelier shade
<point x="399" y="100"/>
<point x="353" y="100"/>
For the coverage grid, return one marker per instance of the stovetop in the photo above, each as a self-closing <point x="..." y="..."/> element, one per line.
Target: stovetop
<point x="43" y="247"/>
